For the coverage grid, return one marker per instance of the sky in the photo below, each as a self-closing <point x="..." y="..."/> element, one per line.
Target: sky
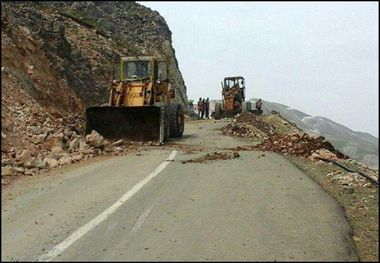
<point x="321" y="58"/>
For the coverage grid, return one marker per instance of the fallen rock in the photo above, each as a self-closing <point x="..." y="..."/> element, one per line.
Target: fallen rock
<point x="367" y="185"/>
<point x="7" y="170"/>
<point x="118" y="143"/>
<point x="57" y="140"/>
<point x="30" y="172"/>
<point x="38" y="163"/>
<point x="95" y="139"/>
<point x="25" y="158"/>
<point x="326" y="154"/>
<point x="56" y="153"/>
<point x="5" y="162"/>
<point x="320" y="162"/>
<point x="51" y="162"/>
<point x="77" y="157"/>
<point x="38" y="139"/>
<point x="118" y="149"/>
<point x="82" y="146"/>
<point x="65" y="160"/>
<point x="19" y="169"/>
<point x="74" y="144"/>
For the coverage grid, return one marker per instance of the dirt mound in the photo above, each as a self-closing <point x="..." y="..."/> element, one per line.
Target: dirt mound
<point x="278" y="135"/>
<point x="249" y="125"/>
<point x="301" y="144"/>
<point x="249" y="118"/>
<point x="242" y="130"/>
<point x="216" y="156"/>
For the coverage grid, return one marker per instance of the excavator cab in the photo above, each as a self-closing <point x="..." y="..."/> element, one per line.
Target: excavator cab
<point x="140" y="103"/>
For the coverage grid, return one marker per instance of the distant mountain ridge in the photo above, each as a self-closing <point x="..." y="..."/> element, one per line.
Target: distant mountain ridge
<point x="360" y="146"/>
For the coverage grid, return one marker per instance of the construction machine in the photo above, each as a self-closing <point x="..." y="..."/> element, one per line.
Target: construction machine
<point x="233" y="99"/>
<point x="140" y="105"/>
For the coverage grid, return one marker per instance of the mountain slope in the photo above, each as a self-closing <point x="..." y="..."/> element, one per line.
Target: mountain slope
<point x="79" y="41"/>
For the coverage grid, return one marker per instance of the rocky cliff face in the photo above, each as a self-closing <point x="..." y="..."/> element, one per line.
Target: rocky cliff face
<point x="57" y="60"/>
<point x="78" y="41"/>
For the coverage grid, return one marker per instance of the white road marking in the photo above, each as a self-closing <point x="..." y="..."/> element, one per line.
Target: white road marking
<point x="58" y="249"/>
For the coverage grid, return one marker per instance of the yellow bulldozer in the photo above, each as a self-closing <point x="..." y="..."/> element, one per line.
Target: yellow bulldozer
<point x="140" y="105"/>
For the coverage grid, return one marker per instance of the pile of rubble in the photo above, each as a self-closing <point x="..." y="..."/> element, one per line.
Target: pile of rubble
<point x="36" y="139"/>
<point x="248" y="125"/>
<point x="290" y="141"/>
<point x="241" y="130"/>
<point x="214" y="157"/>
<point x="302" y="144"/>
<point x="65" y="149"/>
<point x="349" y="180"/>
<point x="249" y="118"/>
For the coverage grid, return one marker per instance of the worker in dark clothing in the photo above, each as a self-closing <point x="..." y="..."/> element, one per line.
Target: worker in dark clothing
<point x="207" y="107"/>
<point x="203" y="109"/>
<point x="259" y="104"/>
<point x="199" y="107"/>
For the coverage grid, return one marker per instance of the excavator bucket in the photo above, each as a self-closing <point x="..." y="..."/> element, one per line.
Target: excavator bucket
<point x="133" y="123"/>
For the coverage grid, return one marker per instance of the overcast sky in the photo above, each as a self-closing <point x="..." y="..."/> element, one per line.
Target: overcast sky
<point x="320" y="58"/>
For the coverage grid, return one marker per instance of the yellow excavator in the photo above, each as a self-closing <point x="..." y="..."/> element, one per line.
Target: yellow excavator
<point x="140" y="105"/>
<point x="233" y="99"/>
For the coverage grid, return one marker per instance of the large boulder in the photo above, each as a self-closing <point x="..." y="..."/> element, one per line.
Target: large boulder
<point x="323" y="154"/>
<point x="51" y="162"/>
<point x="25" y="157"/>
<point x="326" y="154"/>
<point x="56" y="153"/>
<point x="95" y="140"/>
<point x="7" y="170"/>
<point x="38" y="163"/>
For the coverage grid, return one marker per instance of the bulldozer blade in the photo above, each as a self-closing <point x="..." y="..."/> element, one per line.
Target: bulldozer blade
<point x="135" y="123"/>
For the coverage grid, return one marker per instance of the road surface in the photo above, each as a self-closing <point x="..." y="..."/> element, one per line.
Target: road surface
<point x="154" y="207"/>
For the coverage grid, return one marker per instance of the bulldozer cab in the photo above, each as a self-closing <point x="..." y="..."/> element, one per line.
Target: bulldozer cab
<point x="140" y="97"/>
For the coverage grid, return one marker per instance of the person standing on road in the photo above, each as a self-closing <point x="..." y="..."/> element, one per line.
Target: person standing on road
<point x="207" y="107"/>
<point x="199" y="107"/>
<point x="203" y="109"/>
<point x="259" y="104"/>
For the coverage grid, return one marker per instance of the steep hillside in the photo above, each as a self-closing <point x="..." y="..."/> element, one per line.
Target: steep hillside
<point x="78" y="41"/>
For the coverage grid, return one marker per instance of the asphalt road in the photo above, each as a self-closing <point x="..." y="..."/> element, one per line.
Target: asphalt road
<point x="153" y="207"/>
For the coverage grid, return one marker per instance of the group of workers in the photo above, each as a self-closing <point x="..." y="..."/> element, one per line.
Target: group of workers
<point x="203" y="107"/>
